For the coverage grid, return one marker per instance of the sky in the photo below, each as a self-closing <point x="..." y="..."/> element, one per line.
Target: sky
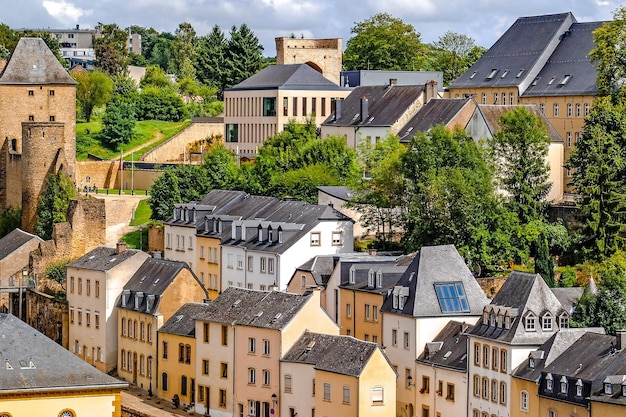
<point x="482" y="20"/>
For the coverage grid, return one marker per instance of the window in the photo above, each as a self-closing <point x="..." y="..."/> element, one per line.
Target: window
<point x="80" y="318"/>
<point x="205" y="332"/>
<point x="586" y="109"/>
<point x="31" y="92"/>
<point x="223" y="398"/>
<point x="239" y="262"/>
<point x="183" y="385"/>
<point x="346" y="395"/>
<point x="348" y="310"/>
<point x="524" y="401"/>
<point x="563" y="384"/>
<point x="285" y="106"/>
<point x="88" y="287"/>
<point x="224" y="335"/>
<point x="375" y="313"/>
<point x="551" y="413"/>
<point x="549" y="382"/>
<point x="142" y="331"/>
<point x="88" y="318"/>
<point x="164" y="349"/>
<point x="486" y="356"/>
<point x="97" y="289"/>
<point x="295" y="107"/>
<point x="251" y="376"/>
<point x="123" y="355"/>
<point x="164" y="381"/>
<point x="394" y="337"/>
<point x="232" y="132"/>
<point x="304" y="106"/>
<point x="287" y="383"/>
<point x="181" y="353"/>
<point x="250" y="263"/>
<point x="263" y="265"/>
<point x="547" y="322"/>
<point x="223" y="370"/>
<point x="251" y="345"/>
<point x="266" y="377"/>
<point x="313" y="387"/>
<point x="452" y="298"/>
<point x="378" y="395"/>
<point x="303" y="281"/>
<point x="570" y="109"/>
<point x="269" y="106"/>
<point x="579" y="388"/>
<point x="556" y="109"/>
<point x="52" y="118"/>
<point x="503" y="359"/>
<point x="367" y="312"/>
<point x="270" y="265"/>
<point x="266" y="347"/>
<point x="407" y="342"/>
<point x="494" y="390"/>
<point x="542" y="108"/>
<point x="485" y="388"/>
<point x="483" y="99"/>
<point x="503" y="393"/>
<point x="315" y="238"/>
<point x="477" y="386"/>
<point x="205" y="366"/>
<point x="530" y="323"/>
<point x="80" y="285"/>
<point x="477" y="354"/>
<point x="511" y="98"/>
<point x="337" y="238"/>
<point x="326" y="391"/>
<point x="187" y="353"/>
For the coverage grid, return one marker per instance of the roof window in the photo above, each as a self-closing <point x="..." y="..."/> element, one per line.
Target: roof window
<point x="473" y="74"/>
<point x="506" y="71"/>
<point x="492" y="73"/>
<point x="519" y="74"/>
<point x="565" y="80"/>
<point x="452" y="298"/>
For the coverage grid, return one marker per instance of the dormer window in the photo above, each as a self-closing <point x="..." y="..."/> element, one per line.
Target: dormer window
<point x="492" y="319"/>
<point x="564" y="385"/>
<point x="149" y="302"/>
<point x="352" y="277"/>
<point x="623" y="390"/>
<point x="579" y="388"/>
<point x="531" y="363"/>
<point x="215" y="221"/>
<point x="138" y="299"/>
<point x="546" y="323"/>
<point x="280" y="236"/>
<point x="485" y="316"/>
<point x="219" y="226"/>
<point x="531" y="323"/>
<point x="564" y="321"/>
<point x="125" y="297"/>
<point x="260" y="234"/>
<point x="608" y="388"/>
<point x="270" y="234"/>
<point x="206" y="225"/>
<point x="370" y="278"/>
<point x="507" y="322"/>
<point x="549" y="382"/>
<point x="379" y="279"/>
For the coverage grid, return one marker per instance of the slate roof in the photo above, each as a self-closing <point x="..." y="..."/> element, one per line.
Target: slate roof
<point x="32" y="62"/>
<point x="153" y="277"/>
<point x="525" y="46"/>
<point x="295" y="218"/>
<point x="321" y="268"/>
<point x="339" y="191"/>
<point x="244" y="307"/>
<point x="548" y="352"/>
<point x="432" y="265"/>
<point x="182" y="322"/>
<point x="391" y="274"/>
<point x="14" y="240"/>
<point x="41" y="365"/>
<point x="571" y="58"/>
<point x="342" y="355"/>
<point x="435" y="112"/>
<point x="386" y="104"/>
<point x="214" y="202"/>
<point x="448" y="349"/>
<point x="287" y="77"/>
<point x="103" y="258"/>
<point x="492" y="113"/>
<point x="568" y="297"/>
<point x="521" y="294"/>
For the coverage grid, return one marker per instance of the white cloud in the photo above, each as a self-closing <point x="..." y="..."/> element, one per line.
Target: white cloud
<point x="63" y="11"/>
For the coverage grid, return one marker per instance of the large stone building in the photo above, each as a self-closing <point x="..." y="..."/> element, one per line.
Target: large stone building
<point x="37" y="125"/>
<point x="541" y="60"/>
<point x="323" y="55"/>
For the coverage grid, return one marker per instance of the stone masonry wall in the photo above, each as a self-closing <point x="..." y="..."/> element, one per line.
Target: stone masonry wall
<point x="325" y="55"/>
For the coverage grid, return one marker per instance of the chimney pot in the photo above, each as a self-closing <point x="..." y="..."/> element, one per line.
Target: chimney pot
<point x="120" y="247"/>
<point x="621" y="339"/>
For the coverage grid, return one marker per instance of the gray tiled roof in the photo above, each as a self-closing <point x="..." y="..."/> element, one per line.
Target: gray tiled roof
<point x="386" y="104"/>
<point x="522" y="294"/>
<point x="216" y="201"/>
<point x="548" y="352"/>
<point x="40" y="364"/>
<point x="153" y="277"/>
<point x="342" y="355"/>
<point x="432" y="265"/>
<point x="525" y="46"/>
<point x="451" y="352"/>
<point x="103" y="258"/>
<point x="287" y="77"/>
<point x="14" y="240"/>
<point x="435" y="112"/>
<point x="321" y="267"/>
<point x="240" y="306"/>
<point x="570" y="58"/>
<point x="32" y="62"/>
<point x="182" y="322"/>
<point x="568" y="297"/>
<point x="339" y="191"/>
<point x="391" y="274"/>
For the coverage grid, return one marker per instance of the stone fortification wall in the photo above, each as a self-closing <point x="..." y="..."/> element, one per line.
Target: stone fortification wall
<point x="48" y="315"/>
<point x="102" y="174"/>
<point x="172" y="150"/>
<point x="325" y="55"/>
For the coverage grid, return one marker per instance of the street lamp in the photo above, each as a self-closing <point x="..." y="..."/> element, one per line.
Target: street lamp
<point x="274" y="401"/>
<point x="150" y="375"/>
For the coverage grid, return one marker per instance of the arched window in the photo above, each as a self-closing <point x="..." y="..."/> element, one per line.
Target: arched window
<point x="164" y="381"/>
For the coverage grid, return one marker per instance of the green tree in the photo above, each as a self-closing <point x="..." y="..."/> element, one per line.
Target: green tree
<point x="58" y="190"/>
<point x="607" y="308"/>
<point x="155" y="77"/>
<point x="118" y="124"/>
<point x="10" y="219"/>
<point x="112" y="57"/>
<point x="94" y="89"/>
<point x="183" y="51"/>
<point x="453" y="53"/>
<point x="520" y="149"/>
<point x="451" y="199"/>
<point x="384" y="42"/>
<point x="158" y="104"/>
<point x="178" y="184"/>
<point x="124" y="88"/>
<point x="544" y="263"/>
<point x="608" y="54"/>
<point x="243" y="55"/>
<point x="210" y="58"/>
<point x="161" y="53"/>
<point x="599" y="164"/>
<point x="8" y="37"/>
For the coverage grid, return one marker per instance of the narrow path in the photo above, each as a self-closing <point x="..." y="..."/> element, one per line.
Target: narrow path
<point x="157" y="137"/>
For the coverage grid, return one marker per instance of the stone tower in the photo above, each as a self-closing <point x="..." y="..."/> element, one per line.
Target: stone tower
<point x="324" y="55"/>
<point x="37" y="104"/>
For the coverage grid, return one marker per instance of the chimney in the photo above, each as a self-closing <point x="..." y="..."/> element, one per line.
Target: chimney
<point x="393" y="81"/>
<point x="77" y="27"/>
<point x="337" y="109"/>
<point x="373" y="252"/>
<point x="157" y="254"/>
<point x="120" y="247"/>
<point x="621" y="339"/>
<point x="364" y="109"/>
<point x="431" y="91"/>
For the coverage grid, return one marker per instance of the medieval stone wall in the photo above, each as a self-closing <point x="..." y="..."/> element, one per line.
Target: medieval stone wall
<point x="325" y="55"/>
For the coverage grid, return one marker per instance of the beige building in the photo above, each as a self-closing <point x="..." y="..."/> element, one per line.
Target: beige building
<point x="550" y="68"/>
<point x="327" y="375"/>
<point x="262" y="105"/>
<point x="41" y="378"/>
<point x="150" y="297"/>
<point x="244" y="335"/>
<point x="94" y="284"/>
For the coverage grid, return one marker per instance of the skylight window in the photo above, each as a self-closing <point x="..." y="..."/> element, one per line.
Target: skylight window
<point x="492" y="73"/>
<point x="551" y="81"/>
<point x="506" y="71"/>
<point x="565" y="80"/>
<point x="452" y="298"/>
<point x="519" y="74"/>
<point x="473" y="74"/>
<point x="536" y="81"/>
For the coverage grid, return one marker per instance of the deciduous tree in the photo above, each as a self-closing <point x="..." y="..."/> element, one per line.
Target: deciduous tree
<point x="54" y="200"/>
<point x="110" y="48"/>
<point x="94" y="89"/>
<point x="118" y="124"/>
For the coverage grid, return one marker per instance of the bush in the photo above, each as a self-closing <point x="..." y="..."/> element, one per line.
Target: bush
<point x="157" y="104"/>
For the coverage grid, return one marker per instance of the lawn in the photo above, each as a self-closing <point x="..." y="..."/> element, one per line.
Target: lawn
<point x="142" y="214"/>
<point x="87" y="138"/>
